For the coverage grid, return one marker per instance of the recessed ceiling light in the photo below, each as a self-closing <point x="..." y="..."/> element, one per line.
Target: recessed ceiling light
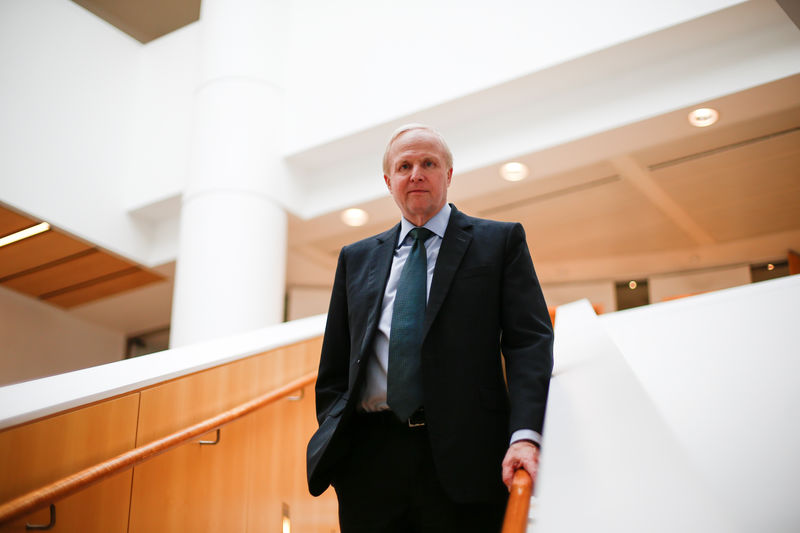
<point x="354" y="217"/>
<point x="770" y="266"/>
<point x="632" y="285"/>
<point x="24" y="234"/>
<point x="514" y="171"/>
<point x="703" y="117"/>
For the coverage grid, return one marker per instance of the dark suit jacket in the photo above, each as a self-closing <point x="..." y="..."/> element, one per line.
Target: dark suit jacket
<point x="484" y="299"/>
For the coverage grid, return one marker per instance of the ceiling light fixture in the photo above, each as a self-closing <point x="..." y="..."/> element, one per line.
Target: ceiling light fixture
<point x="354" y="217"/>
<point x="703" y="117"/>
<point x="632" y="285"/>
<point x="770" y="266"/>
<point x="24" y="234"/>
<point x="514" y="171"/>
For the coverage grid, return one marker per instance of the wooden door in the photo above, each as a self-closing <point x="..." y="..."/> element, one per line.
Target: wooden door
<point x="41" y="452"/>
<point x="194" y="487"/>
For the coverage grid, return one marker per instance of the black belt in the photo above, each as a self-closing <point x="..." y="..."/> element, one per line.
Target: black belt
<point x="416" y="420"/>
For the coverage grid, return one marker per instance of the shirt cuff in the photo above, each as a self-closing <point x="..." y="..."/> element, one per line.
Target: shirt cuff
<point x="526" y="434"/>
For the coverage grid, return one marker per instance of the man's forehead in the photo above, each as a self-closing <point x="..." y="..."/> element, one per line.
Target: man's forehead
<point x="417" y="141"/>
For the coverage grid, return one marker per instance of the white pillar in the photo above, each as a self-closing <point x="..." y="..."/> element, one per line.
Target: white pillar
<point x="231" y="261"/>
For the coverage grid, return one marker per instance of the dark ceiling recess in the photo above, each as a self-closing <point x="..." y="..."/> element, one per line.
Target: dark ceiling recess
<point x="145" y="20"/>
<point x="792" y="9"/>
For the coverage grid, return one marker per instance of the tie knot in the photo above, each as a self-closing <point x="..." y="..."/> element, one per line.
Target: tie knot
<point x="421" y="234"/>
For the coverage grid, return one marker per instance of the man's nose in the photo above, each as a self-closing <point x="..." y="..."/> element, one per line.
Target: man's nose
<point x="416" y="173"/>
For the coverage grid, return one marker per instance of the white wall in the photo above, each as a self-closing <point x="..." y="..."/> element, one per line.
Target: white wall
<point x="597" y="292"/>
<point x="722" y="370"/>
<point x="168" y="70"/>
<point x="92" y="115"/>
<point x="358" y="63"/>
<point x="67" y="88"/>
<point x="675" y="417"/>
<point x="687" y="283"/>
<point x="307" y="301"/>
<point x="38" y="339"/>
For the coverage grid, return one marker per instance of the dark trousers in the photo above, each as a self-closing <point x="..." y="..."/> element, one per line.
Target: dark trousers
<point x="388" y="484"/>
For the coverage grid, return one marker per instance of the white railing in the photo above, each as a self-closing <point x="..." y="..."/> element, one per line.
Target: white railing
<point x="29" y="400"/>
<point x="678" y="416"/>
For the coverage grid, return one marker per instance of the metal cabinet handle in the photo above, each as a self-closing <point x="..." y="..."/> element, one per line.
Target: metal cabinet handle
<point x="211" y="442"/>
<point x="297" y="397"/>
<point x="45" y="527"/>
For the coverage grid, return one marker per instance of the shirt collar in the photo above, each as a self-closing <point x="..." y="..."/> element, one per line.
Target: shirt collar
<point x="437" y="224"/>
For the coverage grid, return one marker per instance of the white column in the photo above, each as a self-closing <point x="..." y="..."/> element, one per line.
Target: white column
<point x="231" y="261"/>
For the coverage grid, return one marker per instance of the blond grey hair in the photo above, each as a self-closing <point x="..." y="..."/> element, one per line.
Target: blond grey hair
<point x="448" y="155"/>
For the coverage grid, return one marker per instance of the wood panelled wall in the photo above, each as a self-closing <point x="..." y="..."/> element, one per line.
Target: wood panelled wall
<point x="237" y="485"/>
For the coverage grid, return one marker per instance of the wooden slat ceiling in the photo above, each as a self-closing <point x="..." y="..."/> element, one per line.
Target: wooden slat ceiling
<point x="744" y="192"/>
<point x="61" y="270"/>
<point x="145" y="20"/>
<point x="733" y="181"/>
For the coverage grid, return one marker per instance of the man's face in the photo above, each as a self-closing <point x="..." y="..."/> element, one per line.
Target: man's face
<point x="418" y="175"/>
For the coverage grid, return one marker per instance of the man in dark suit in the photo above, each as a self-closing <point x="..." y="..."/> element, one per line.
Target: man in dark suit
<point x="425" y="414"/>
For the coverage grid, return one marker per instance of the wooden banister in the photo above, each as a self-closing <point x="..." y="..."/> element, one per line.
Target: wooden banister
<point x="516" y="519"/>
<point x="516" y="511"/>
<point x="71" y="484"/>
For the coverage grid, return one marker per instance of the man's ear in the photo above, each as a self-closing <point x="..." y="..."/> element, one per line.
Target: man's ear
<point x="449" y="176"/>
<point x="389" y="182"/>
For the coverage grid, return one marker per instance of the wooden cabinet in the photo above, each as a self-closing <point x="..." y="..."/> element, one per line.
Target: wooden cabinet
<point x="38" y="453"/>
<point x="239" y="484"/>
<point x="280" y="434"/>
<point x="101" y="508"/>
<point x="194" y="487"/>
<point x="211" y="488"/>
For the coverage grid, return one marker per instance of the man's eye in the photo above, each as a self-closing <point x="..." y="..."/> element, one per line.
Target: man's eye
<point x="404" y="166"/>
<point x="429" y="163"/>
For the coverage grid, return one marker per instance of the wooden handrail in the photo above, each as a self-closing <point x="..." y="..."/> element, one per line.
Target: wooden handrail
<point x="71" y="484"/>
<point x="516" y="519"/>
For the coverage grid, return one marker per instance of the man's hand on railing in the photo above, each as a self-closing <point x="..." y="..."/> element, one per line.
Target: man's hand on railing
<point x="522" y="454"/>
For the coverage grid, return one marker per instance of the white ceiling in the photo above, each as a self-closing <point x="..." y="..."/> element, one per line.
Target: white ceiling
<point x="686" y="192"/>
<point x="686" y="199"/>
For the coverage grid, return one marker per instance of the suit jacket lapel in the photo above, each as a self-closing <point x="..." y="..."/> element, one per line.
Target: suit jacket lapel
<point x="454" y="244"/>
<point x="380" y="260"/>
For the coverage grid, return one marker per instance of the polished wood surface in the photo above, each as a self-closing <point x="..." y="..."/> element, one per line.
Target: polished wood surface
<point x="281" y="432"/>
<point x="123" y="281"/>
<point x="794" y="262"/>
<point x="12" y="222"/>
<point x="39" y="453"/>
<point x="264" y="405"/>
<point x="82" y="479"/>
<point x="36" y="252"/>
<point x="176" y="404"/>
<point x="194" y="487"/>
<point x="42" y="452"/>
<point x="63" y="270"/>
<point x="101" y="508"/>
<point x="67" y="274"/>
<point x="519" y="500"/>
<point x="145" y="20"/>
<point x="278" y="433"/>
